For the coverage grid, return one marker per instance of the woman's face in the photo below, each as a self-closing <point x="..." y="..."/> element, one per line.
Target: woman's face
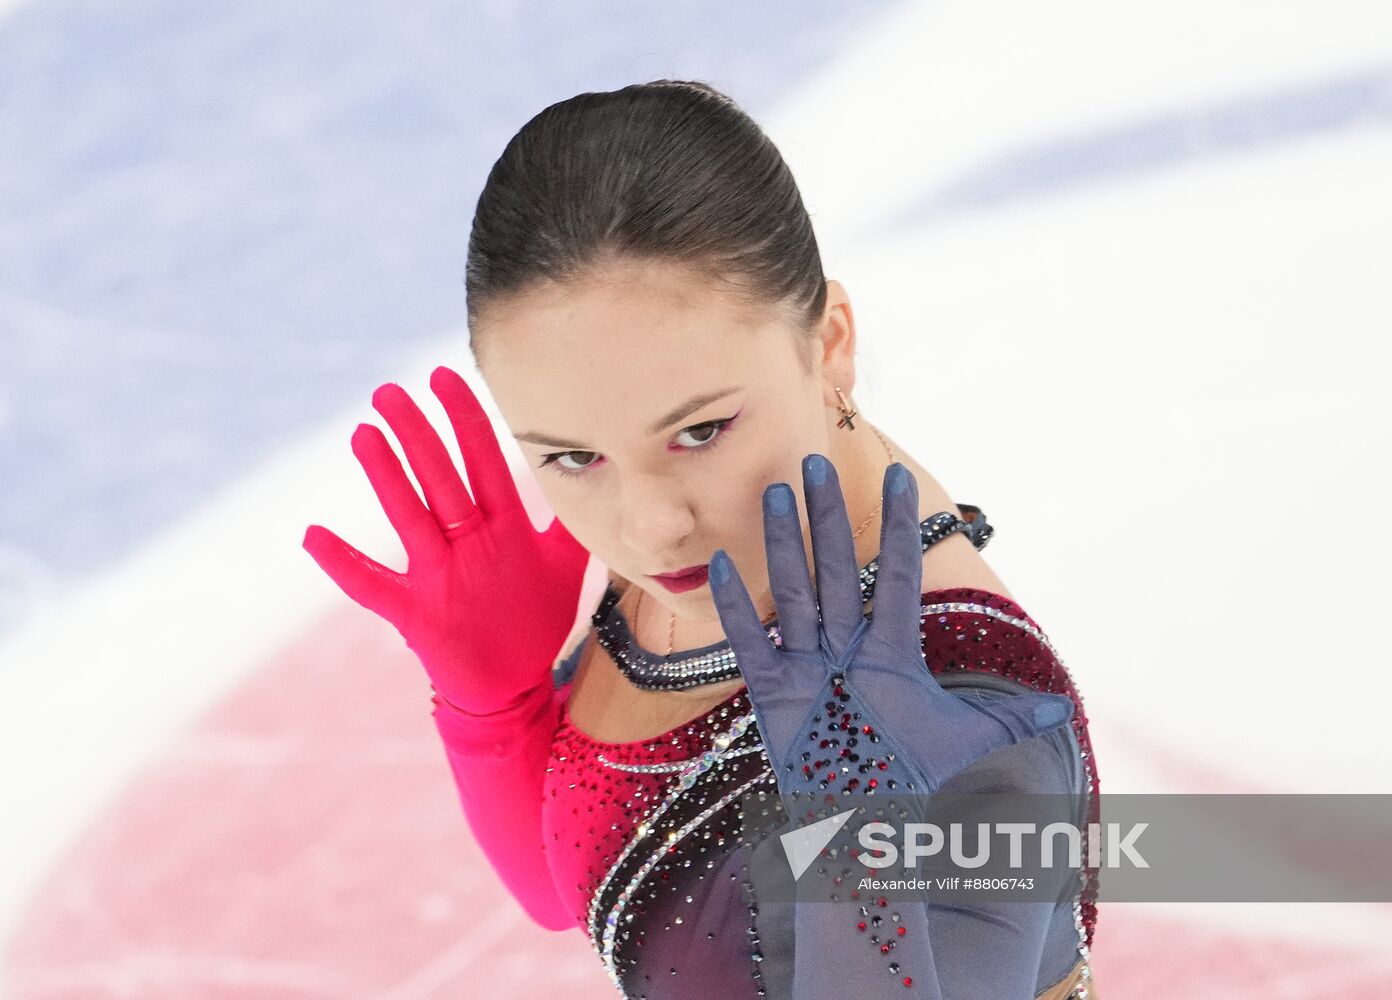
<point x="655" y="407"/>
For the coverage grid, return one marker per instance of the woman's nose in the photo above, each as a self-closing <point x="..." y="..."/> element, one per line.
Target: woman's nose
<point x="654" y="516"/>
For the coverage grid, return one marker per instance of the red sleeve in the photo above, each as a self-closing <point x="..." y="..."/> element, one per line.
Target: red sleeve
<point x="499" y="764"/>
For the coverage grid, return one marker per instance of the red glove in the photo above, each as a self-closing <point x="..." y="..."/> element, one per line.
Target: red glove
<point x="486" y="601"/>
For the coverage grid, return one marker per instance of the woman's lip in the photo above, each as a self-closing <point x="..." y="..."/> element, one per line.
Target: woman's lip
<point x="677" y="574"/>
<point x="679" y="583"/>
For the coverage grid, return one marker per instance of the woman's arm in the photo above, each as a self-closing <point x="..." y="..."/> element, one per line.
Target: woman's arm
<point x="850" y="714"/>
<point x="499" y="765"/>
<point x="488" y="649"/>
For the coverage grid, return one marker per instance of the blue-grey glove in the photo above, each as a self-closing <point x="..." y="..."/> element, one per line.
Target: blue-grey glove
<point x="848" y="707"/>
<point x="841" y="663"/>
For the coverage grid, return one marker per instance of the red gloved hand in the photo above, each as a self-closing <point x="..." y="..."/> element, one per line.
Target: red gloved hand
<point x="486" y="601"/>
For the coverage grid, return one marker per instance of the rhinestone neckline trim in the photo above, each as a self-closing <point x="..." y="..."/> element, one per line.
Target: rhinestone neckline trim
<point x="715" y="663"/>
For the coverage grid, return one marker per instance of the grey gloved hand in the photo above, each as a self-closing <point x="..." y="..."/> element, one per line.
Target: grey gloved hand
<point x="848" y="708"/>
<point x="841" y="663"/>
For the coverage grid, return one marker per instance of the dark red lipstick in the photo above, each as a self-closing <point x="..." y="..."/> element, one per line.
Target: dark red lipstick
<point x="683" y="580"/>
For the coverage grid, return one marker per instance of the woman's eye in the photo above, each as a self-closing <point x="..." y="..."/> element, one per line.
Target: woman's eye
<point x="705" y="435"/>
<point x="707" y="432"/>
<point x="556" y="458"/>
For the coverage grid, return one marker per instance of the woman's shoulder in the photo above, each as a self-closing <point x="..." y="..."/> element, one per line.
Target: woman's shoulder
<point x="970" y="628"/>
<point x="980" y="645"/>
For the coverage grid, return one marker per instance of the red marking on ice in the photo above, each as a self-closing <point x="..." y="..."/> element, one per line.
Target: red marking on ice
<point x="1139" y="956"/>
<point x="304" y="840"/>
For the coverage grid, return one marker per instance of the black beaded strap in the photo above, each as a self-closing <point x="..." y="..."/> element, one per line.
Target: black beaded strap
<point x="716" y="662"/>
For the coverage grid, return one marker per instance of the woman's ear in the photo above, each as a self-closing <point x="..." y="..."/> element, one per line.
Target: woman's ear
<point x="836" y="343"/>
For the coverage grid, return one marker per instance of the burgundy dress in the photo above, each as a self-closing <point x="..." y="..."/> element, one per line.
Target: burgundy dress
<point x="638" y="843"/>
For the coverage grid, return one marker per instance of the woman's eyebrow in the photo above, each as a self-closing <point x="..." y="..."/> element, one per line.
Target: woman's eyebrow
<point x="671" y="417"/>
<point x="689" y="407"/>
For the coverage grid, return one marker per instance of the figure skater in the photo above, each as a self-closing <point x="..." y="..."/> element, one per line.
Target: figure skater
<point x="647" y="305"/>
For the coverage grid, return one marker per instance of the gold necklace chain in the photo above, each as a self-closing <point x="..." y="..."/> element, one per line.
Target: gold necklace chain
<point x="672" y="628"/>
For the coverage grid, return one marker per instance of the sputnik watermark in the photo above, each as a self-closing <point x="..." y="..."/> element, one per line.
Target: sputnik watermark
<point x="969" y="847"/>
<point x="1107" y="846"/>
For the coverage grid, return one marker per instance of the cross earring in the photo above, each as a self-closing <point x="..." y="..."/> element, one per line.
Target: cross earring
<point x="846" y="412"/>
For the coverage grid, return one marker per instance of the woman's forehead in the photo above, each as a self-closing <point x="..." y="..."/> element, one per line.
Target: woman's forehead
<point x="660" y="338"/>
<point x="634" y="300"/>
<point x="577" y="394"/>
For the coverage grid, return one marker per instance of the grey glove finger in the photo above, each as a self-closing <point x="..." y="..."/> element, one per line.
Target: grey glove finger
<point x="899" y="580"/>
<point x="833" y="551"/>
<point x="788" y="574"/>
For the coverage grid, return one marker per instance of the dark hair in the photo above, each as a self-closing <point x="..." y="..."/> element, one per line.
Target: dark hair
<point x="669" y="170"/>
